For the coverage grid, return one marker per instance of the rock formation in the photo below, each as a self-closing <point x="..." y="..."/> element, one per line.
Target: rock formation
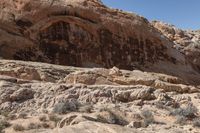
<point x="103" y="70"/>
<point x="74" y="34"/>
<point x="88" y="34"/>
<point x="187" y="42"/>
<point x="92" y="98"/>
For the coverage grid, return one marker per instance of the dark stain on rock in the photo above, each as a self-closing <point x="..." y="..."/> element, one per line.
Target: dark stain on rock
<point x="27" y="54"/>
<point x="70" y="44"/>
<point x="23" y="23"/>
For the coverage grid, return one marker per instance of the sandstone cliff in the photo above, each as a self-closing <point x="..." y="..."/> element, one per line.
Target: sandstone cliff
<point x="87" y="34"/>
<point x="104" y="70"/>
<point x="186" y="41"/>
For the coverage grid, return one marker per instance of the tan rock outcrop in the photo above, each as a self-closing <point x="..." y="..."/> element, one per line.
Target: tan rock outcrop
<point x="69" y="33"/>
<point x="86" y="33"/>
<point x="128" y="75"/>
<point x="186" y="41"/>
<point x="113" y="102"/>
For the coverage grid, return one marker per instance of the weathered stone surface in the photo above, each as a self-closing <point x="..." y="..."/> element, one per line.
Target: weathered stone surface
<point x="160" y="69"/>
<point x="73" y="35"/>
<point x="22" y="94"/>
<point x="187" y="42"/>
<point x="99" y="127"/>
<point x="135" y="124"/>
<point x="112" y="101"/>
<point x="69" y="33"/>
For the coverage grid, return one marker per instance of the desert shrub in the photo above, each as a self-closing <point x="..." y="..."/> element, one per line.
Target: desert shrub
<point x="45" y="125"/>
<point x="86" y="108"/>
<point x="160" y="105"/>
<point x="64" y="107"/>
<point x="34" y="126"/>
<point x="196" y="122"/>
<point x="4" y="124"/>
<point x="183" y="114"/>
<point x="117" y="119"/>
<point x="22" y="115"/>
<point x="181" y="120"/>
<point x="197" y="96"/>
<point x="43" y="118"/>
<point x="189" y="111"/>
<point x="148" y="117"/>
<point x="112" y="118"/>
<point x="4" y="113"/>
<point x="166" y="106"/>
<point x="18" y="127"/>
<point x="54" y="118"/>
<point x="12" y="117"/>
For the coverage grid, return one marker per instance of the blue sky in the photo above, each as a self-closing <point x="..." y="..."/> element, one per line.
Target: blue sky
<point x="184" y="14"/>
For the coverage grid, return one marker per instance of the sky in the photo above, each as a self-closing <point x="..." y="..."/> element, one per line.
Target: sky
<point x="183" y="14"/>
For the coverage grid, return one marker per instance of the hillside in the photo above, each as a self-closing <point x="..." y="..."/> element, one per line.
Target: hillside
<point x="78" y="66"/>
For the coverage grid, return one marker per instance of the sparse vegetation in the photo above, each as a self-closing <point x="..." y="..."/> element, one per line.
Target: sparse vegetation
<point x="18" y="127"/>
<point x="43" y="118"/>
<point x="54" y="118"/>
<point x="4" y="113"/>
<point x="64" y="107"/>
<point x="196" y="122"/>
<point x="81" y="66"/>
<point x="12" y="117"/>
<point x="197" y="96"/>
<point x="148" y="117"/>
<point x="160" y="105"/>
<point x="112" y="117"/>
<point x="190" y="111"/>
<point x="86" y="108"/>
<point x="22" y="115"/>
<point x="4" y="124"/>
<point x="183" y="114"/>
<point x="181" y="120"/>
<point x="45" y="125"/>
<point x="34" y="126"/>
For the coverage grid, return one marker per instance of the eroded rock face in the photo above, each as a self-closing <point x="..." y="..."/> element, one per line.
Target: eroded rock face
<point x="187" y="42"/>
<point x="67" y="43"/>
<point x="86" y="33"/>
<point x="54" y="84"/>
<point x="89" y="98"/>
<point x="79" y="34"/>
